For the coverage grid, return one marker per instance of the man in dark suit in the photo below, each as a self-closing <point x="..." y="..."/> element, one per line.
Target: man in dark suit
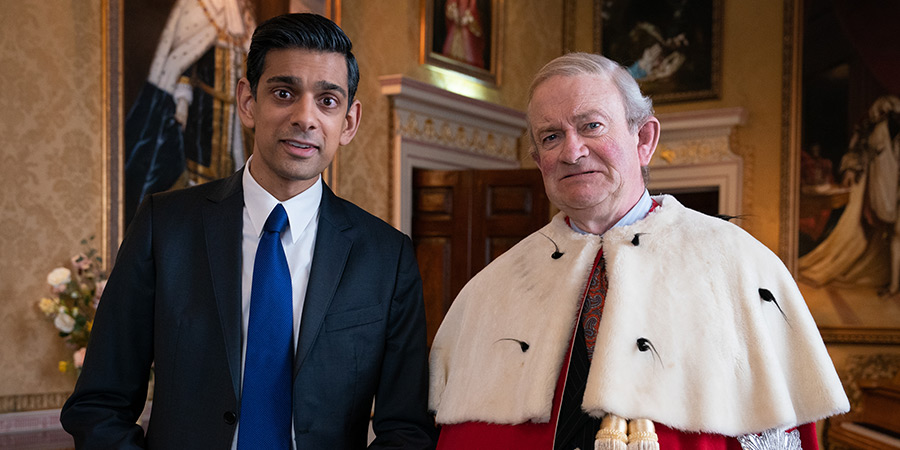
<point x="183" y="296"/>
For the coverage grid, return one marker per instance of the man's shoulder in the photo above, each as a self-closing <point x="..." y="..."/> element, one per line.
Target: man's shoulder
<point x="675" y="226"/>
<point x="213" y="190"/>
<point x="338" y="210"/>
<point x="674" y="214"/>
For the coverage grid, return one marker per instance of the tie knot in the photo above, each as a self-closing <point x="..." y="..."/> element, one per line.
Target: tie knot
<point x="277" y="220"/>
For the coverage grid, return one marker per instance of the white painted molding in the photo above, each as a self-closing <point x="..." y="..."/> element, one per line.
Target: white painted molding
<point x="416" y="96"/>
<point x="706" y="122"/>
<point x="725" y="177"/>
<point x="694" y="152"/>
<point x="433" y="128"/>
<point x="30" y="421"/>
<point x="41" y="425"/>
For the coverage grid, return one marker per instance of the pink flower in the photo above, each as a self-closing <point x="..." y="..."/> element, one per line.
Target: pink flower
<point x="78" y="357"/>
<point x="81" y="262"/>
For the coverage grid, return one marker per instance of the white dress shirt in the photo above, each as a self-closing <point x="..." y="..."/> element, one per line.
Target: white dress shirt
<point x="637" y="212"/>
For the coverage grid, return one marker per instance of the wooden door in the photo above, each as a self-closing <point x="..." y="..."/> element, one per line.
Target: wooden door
<point x="463" y="220"/>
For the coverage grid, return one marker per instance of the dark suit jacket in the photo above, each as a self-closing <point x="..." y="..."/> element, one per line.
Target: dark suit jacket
<point x="174" y="300"/>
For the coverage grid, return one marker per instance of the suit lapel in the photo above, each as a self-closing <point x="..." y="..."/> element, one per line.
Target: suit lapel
<point x="223" y="225"/>
<point x="330" y="255"/>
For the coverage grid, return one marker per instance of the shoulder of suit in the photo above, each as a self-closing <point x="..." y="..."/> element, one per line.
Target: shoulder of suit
<point x="361" y="220"/>
<point x="208" y="190"/>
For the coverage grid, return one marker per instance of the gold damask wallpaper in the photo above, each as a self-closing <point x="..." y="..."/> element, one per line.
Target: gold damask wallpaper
<point x="50" y="139"/>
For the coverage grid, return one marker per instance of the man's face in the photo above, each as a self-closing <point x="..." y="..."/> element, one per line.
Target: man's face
<point x="590" y="162"/>
<point x="300" y="117"/>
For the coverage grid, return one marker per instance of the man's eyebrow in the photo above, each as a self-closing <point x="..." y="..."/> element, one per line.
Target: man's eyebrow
<point x="329" y="86"/>
<point x="545" y="128"/>
<point x="590" y="114"/>
<point x="284" y="79"/>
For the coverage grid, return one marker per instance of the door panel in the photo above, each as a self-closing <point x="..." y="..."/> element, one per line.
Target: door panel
<point x="463" y="220"/>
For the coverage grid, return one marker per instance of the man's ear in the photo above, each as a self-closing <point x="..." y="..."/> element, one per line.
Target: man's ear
<point x="648" y="137"/>
<point x="351" y="122"/>
<point x="245" y="103"/>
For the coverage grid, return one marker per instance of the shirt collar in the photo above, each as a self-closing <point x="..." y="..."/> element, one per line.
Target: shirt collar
<point x="636" y="213"/>
<point x="300" y="208"/>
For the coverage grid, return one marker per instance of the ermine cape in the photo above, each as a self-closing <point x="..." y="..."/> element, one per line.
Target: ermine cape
<point x="703" y="330"/>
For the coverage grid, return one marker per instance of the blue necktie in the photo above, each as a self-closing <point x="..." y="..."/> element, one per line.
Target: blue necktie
<point x="265" y="420"/>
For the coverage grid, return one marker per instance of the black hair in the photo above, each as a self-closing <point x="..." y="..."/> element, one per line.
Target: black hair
<point x="302" y="30"/>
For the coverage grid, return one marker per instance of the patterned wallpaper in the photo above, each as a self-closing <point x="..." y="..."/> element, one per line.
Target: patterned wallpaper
<point x="50" y="145"/>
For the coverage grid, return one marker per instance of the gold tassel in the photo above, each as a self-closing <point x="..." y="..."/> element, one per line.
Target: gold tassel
<point x="642" y="435"/>
<point x="612" y="434"/>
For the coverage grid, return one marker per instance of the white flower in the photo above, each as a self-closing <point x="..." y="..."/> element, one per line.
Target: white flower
<point x="48" y="305"/>
<point x="59" y="277"/>
<point x="78" y="357"/>
<point x="64" y="322"/>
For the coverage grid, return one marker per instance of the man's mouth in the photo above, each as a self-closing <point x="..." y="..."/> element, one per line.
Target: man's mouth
<point x="300" y="149"/>
<point x="301" y="145"/>
<point x="586" y="172"/>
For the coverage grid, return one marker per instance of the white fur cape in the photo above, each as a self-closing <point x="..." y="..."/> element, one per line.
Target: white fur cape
<point x="726" y="360"/>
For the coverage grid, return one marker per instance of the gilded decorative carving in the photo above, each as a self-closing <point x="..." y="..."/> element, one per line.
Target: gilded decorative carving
<point x="869" y="336"/>
<point x="32" y="402"/>
<point x="880" y="366"/>
<point x="693" y="151"/>
<point x="461" y="137"/>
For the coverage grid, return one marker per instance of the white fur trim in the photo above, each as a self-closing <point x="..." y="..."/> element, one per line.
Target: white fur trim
<point x="728" y="362"/>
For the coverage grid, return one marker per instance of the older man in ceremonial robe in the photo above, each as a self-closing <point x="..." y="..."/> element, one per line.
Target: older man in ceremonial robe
<point x="629" y="321"/>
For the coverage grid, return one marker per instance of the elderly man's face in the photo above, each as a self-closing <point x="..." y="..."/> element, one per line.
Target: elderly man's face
<point x="590" y="162"/>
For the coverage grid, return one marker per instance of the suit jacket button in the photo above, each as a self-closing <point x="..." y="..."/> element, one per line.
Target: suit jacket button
<point x="230" y="418"/>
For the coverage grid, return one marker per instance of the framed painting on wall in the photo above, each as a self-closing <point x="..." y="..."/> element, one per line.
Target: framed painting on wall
<point x="672" y="48"/>
<point x="840" y="111"/>
<point x="181" y="126"/>
<point x="463" y="36"/>
<point x="327" y="8"/>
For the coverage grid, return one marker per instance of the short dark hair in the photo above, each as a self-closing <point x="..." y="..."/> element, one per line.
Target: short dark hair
<point x="302" y="30"/>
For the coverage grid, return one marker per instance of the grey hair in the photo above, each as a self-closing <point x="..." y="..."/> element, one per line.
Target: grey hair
<point x="638" y="108"/>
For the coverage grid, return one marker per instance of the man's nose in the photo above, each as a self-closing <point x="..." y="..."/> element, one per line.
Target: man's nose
<point x="574" y="148"/>
<point x="303" y="113"/>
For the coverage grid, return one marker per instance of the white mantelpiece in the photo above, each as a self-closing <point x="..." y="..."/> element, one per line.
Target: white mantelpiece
<point x="695" y="152"/>
<point x="432" y="128"/>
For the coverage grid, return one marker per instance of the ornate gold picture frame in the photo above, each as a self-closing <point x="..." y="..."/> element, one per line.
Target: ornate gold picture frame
<point x="845" y="313"/>
<point x="673" y="52"/>
<point x="463" y="36"/>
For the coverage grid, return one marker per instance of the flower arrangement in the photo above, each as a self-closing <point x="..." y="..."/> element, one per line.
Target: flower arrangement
<point x="74" y="296"/>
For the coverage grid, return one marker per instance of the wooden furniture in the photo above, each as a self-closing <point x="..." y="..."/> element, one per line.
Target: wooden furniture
<point x="875" y="423"/>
